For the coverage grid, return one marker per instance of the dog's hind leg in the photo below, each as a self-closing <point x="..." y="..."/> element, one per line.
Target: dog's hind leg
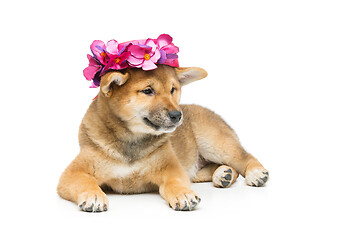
<point x="218" y="143"/>
<point x="205" y="174"/>
<point x="222" y="176"/>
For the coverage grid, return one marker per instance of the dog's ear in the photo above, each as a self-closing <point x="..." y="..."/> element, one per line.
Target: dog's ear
<point x="111" y="78"/>
<point x="188" y="75"/>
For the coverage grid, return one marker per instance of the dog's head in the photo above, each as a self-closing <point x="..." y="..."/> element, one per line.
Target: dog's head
<point x="148" y="101"/>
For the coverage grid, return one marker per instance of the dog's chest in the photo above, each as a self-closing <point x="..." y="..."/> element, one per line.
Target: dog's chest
<point x="130" y="178"/>
<point x="121" y="171"/>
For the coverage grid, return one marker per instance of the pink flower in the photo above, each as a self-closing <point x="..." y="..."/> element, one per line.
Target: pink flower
<point x="168" y="51"/>
<point x="113" y="56"/>
<point x="98" y="48"/>
<point x="144" y="56"/>
<point x="93" y="68"/>
<point x="92" y="72"/>
<point x="117" y="54"/>
<point x="117" y="62"/>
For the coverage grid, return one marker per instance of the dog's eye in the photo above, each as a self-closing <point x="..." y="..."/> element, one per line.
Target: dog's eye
<point x="148" y="91"/>
<point x="173" y="90"/>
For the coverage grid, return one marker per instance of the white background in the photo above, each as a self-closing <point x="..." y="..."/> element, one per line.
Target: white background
<point x="284" y="74"/>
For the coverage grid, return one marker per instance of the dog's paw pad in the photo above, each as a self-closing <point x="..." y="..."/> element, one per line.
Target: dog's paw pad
<point x="93" y="202"/>
<point x="224" y="176"/>
<point x="185" y="202"/>
<point x="257" y="177"/>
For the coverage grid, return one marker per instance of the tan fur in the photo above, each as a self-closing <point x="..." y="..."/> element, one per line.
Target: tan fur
<point x="119" y="150"/>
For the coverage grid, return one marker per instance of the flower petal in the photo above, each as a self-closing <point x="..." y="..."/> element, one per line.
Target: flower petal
<point x="124" y="56"/>
<point x="92" y="60"/>
<point x="148" y="65"/>
<point x="164" y="40"/>
<point x="136" y="42"/>
<point x="97" y="79"/>
<point x="171" y="56"/>
<point x="172" y="62"/>
<point x="133" y="61"/>
<point x="123" y="65"/>
<point x="151" y="44"/>
<point x="156" y="56"/>
<point x="137" y="51"/>
<point x="116" y="66"/>
<point x="162" y="57"/>
<point x="110" y="65"/>
<point x="112" y="47"/>
<point x="171" y="48"/>
<point x="123" y="47"/>
<point x="90" y="72"/>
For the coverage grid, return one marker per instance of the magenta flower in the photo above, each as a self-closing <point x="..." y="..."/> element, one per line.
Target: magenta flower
<point x="93" y="68"/>
<point x="144" y="56"/>
<point x="98" y="49"/>
<point x="117" y="54"/>
<point x="117" y="62"/>
<point x="92" y="72"/>
<point x="112" y="57"/>
<point x="168" y="51"/>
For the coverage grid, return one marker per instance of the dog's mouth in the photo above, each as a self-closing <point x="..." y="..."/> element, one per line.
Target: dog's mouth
<point x="158" y="127"/>
<point x="150" y="124"/>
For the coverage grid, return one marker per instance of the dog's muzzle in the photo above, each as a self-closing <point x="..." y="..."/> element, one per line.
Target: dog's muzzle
<point x="164" y="120"/>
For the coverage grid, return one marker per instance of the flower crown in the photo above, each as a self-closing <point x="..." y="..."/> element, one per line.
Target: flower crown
<point x="143" y="54"/>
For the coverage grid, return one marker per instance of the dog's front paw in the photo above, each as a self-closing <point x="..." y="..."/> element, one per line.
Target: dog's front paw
<point x="184" y="201"/>
<point x="93" y="202"/>
<point x="224" y="176"/>
<point x="256" y="177"/>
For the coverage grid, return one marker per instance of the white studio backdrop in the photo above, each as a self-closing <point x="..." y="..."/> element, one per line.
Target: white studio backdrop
<point x="284" y="74"/>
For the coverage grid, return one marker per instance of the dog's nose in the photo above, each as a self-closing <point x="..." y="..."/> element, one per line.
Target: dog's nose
<point x="175" y="116"/>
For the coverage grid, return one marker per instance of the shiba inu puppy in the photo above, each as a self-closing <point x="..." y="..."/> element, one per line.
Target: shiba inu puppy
<point x="135" y="138"/>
